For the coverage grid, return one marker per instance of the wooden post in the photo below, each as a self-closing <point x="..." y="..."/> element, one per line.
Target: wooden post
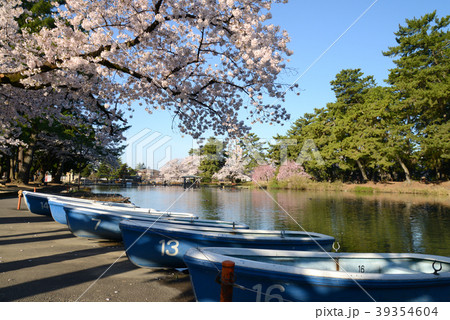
<point x="20" y="199"/>
<point x="227" y="281"/>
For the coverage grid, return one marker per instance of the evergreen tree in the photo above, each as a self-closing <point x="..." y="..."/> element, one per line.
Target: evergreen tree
<point x="350" y="88"/>
<point x="253" y="152"/>
<point x="422" y="81"/>
<point x="104" y="171"/>
<point x="213" y="160"/>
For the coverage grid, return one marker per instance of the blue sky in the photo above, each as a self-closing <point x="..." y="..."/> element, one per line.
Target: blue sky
<point x="312" y="26"/>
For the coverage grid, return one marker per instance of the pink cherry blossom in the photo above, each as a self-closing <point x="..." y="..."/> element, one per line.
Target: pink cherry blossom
<point x="291" y="169"/>
<point x="263" y="173"/>
<point x="201" y="60"/>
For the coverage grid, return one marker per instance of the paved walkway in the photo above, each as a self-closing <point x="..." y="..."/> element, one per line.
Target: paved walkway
<point x="40" y="260"/>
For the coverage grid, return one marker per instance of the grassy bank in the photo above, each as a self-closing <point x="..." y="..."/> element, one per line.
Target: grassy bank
<point x="414" y="187"/>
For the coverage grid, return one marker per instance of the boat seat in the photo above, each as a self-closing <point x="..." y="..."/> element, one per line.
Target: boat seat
<point x="395" y="269"/>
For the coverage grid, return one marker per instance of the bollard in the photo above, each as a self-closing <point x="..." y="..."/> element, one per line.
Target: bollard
<point x="20" y="199"/>
<point x="227" y="281"/>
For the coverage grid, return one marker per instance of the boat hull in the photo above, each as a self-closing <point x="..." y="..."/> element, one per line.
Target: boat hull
<point x="58" y="204"/>
<point x="93" y="225"/>
<point x="164" y="247"/>
<point x="37" y="203"/>
<point x="105" y="225"/>
<point x="45" y="204"/>
<point x="57" y="211"/>
<point x="273" y="283"/>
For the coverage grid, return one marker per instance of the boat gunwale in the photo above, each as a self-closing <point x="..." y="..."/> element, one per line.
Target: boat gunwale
<point x="58" y="198"/>
<point x="129" y="214"/>
<point x="181" y="221"/>
<point x="245" y="234"/>
<point x="141" y="224"/>
<point x="212" y="255"/>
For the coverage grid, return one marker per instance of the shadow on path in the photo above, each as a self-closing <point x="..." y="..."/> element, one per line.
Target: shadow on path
<point x="33" y="233"/>
<point x="36" y="239"/>
<point x="66" y="256"/>
<point x="25" y="219"/>
<point x="34" y="287"/>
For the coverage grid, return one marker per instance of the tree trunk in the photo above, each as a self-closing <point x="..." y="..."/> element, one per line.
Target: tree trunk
<point x="12" y="165"/>
<point x="8" y="170"/>
<point x="438" y="170"/>
<point x="25" y="160"/>
<point x="58" y="173"/>
<point x="361" y="168"/>
<point x="405" y="169"/>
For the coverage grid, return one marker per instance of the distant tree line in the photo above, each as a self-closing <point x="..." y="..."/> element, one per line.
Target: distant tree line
<point x="395" y="132"/>
<point x="109" y="172"/>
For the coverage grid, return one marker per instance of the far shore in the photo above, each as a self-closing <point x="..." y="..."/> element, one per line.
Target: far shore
<point x="413" y="187"/>
<point x="441" y="189"/>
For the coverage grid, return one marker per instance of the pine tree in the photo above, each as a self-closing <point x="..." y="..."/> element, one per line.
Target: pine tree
<point x="213" y="160"/>
<point x="347" y="114"/>
<point x="422" y="81"/>
<point x="253" y="152"/>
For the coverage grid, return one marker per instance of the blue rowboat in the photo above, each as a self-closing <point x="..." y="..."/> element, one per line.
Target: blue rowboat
<point x="38" y="203"/>
<point x="273" y="275"/>
<point x="58" y="204"/>
<point x="103" y="224"/>
<point x="163" y="246"/>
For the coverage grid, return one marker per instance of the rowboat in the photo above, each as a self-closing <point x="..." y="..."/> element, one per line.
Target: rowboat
<point x="104" y="224"/>
<point x="155" y="245"/>
<point x="274" y="275"/>
<point x="37" y="202"/>
<point x="58" y="205"/>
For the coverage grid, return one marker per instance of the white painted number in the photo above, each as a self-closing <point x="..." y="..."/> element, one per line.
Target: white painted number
<point x="172" y="244"/>
<point x="268" y="295"/>
<point x="44" y="205"/>
<point x="97" y="224"/>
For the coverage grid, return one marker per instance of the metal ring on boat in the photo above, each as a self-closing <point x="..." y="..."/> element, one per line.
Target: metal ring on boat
<point x="283" y="233"/>
<point x="338" y="246"/>
<point x="437" y="270"/>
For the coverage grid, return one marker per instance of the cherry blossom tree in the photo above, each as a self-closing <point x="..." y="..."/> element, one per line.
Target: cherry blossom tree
<point x="203" y="60"/>
<point x="263" y="173"/>
<point x="291" y="169"/>
<point x="234" y="167"/>
<point x="190" y="165"/>
<point x="174" y="169"/>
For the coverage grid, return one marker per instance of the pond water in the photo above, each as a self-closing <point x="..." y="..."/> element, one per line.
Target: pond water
<point x="360" y="223"/>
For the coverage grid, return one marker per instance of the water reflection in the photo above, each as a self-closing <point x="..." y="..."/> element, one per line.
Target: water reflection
<point x="361" y="223"/>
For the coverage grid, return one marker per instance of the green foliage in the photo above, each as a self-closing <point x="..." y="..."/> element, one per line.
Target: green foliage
<point x="104" y="171"/>
<point x="253" y="152"/>
<point x="87" y="171"/>
<point x="214" y="158"/>
<point x="422" y="83"/>
<point x="384" y="133"/>
<point x="38" y="15"/>
<point x="140" y="166"/>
